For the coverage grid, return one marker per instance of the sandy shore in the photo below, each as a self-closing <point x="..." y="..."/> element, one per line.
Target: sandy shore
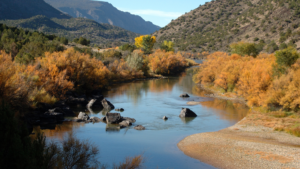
<point x="244" y="146"/>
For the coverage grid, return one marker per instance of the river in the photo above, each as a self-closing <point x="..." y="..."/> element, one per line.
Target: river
<point x="148" y="101"/>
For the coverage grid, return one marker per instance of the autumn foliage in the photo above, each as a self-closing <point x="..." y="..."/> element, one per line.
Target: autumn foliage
<point x="252" y="79"/>
<point x="165" y="63"/>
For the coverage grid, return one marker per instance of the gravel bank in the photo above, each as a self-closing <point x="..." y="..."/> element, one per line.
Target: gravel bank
<point x="244" y="146"/>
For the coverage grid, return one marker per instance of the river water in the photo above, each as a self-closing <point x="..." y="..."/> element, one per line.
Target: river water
<point x="148" y="101"/>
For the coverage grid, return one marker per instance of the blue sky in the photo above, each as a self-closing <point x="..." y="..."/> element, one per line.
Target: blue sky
<point x="159" y="12"/>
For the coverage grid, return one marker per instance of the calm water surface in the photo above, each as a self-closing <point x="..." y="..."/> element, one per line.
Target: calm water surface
<point x="147" y="102"/>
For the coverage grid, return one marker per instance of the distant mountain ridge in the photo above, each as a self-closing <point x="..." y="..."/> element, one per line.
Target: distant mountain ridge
<point x="104" y="12"/>
<point x="75" y="28"/>
<point x="23" y="9"/>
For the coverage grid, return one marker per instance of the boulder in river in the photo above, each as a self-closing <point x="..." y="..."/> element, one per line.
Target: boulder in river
<point x="113" y="118"/>
<point x="139" y="127"/>
<point x="125" y="123"/>
<point x="107" y="105"/>
<point x="165" y="118"/>
<point x="83" y="116"/>
<point x="96" y="102"/>
<point x="131" y="120"/>
<point x="186" y="112"/>
<point x="184" y="95"/>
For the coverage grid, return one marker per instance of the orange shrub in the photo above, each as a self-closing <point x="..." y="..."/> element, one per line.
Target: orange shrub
<point x="249" y="77"/>
<point x="120" y="71"/>
<point x="165" y="63"/>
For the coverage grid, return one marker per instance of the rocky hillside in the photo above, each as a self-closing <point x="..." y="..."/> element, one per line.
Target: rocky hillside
<point x="103" y="34"/>
<point x="22" y="9"/>
<point x="213" y="26"/>
<point x="104" y="12"/>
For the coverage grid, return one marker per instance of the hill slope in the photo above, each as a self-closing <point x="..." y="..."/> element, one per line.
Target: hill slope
<point x="22" y="9"/>
<point x="75" y="28"/>
<point x="216" y="24"/>
<point x="104" y="12"/>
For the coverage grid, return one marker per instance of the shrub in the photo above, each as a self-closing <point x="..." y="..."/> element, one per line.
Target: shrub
<point x="287" y="57"/>
<point x="244" y="48"/>
<point x="167" y="46"/>
<point x="166" y="63"/>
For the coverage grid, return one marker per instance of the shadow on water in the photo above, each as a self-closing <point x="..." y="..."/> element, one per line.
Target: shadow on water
<point x="148" y="101"/>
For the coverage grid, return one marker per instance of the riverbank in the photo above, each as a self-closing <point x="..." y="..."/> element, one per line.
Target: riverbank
<point x="251" y="143"/>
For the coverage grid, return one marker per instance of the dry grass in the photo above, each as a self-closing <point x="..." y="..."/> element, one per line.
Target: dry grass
<point x="131" y="163"/>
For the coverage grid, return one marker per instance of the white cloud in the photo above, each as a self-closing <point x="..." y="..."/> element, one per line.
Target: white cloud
<point x="153" y="13"/>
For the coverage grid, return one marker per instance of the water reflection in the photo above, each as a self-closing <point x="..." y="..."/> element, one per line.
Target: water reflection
<point x="187" y="119"/>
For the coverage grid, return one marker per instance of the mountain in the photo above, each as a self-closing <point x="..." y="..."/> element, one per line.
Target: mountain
<point x="213" y="26"/>
<point x="74" y="28"/>
<point x="22" y="9"/>
<point x="104" y="12"/>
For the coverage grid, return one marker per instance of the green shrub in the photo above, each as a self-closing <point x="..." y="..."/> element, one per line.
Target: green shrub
<point x="286" y="57"/>
<point x="244" y="48"/>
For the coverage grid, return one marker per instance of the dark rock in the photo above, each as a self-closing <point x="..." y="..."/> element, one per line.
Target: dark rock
<point x="186" y="112"/>
<point x="131" y="120"/>
<point x="107" y="105"/>
<point x="165" y="118"/>
<point x="96" y="102"/>
<point x="139" y="127"/>
<point x="121" y="109"/>
<point x="113" y="118"/>
<point x="184" y="95"/>
<point x="103" y="119"/>
<point x="83" y="116"/>
<point x="95" y="119"/>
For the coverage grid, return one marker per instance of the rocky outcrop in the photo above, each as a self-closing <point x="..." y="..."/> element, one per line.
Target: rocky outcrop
<point x="186" y="112"/>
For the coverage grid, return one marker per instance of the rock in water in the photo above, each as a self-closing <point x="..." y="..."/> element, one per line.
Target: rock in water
<point x="83" y="116"/>
<point x="95" y="103"/>
<point x="107" y="105"/>
<point x="113" y="118"/>
<point x="95" y="119"/>
<point x="139" y="127"/>
<point x="184" y="95"/>
<point x="125" y="124"/>
<point x="121" y="109"/>
<point x="165" y="118"/>
<point x="131" y="120"/>
<point x="186" y="112"/>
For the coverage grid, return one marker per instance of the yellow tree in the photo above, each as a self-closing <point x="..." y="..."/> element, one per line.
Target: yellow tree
<point x="145" y="42"/>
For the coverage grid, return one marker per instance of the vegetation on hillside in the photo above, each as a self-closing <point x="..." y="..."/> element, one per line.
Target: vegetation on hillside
<point x="25" y="46"/>
<point x="215" y="25"/>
